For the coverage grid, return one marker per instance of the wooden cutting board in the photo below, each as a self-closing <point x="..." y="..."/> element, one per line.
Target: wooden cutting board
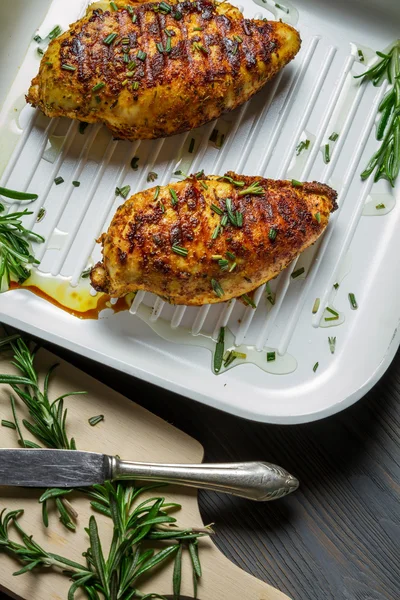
<point x="133" y="433"/>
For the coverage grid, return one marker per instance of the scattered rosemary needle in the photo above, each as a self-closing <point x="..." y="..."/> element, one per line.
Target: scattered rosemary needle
<point x="219" y="350"/>
<point x="152" y="176"/>
<point x="271" y="356"/>
<point x="95" y="420"/>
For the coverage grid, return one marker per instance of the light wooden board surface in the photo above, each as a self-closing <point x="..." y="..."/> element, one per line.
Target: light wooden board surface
<point x="133" y="433"/>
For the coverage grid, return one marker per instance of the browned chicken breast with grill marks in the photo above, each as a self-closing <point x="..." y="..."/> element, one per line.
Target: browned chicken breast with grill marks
<point x="150" y="70"/>
<point x="208" y="239"/>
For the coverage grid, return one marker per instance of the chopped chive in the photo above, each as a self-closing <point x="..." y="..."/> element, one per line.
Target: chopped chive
<point x="247" y="300"/>
<point x="58" y="180"/>
<point x="156" y="192"/>
<point x="141" y="55"/>
<point x="270" y="295"/>
<point x="298" y="272"/>
<point x="160" y="47"/>
<point x="318" y="217"/>
<point x="216" y="232"/>
<point x="327" y="154"/>
<point x="129" y="9"/>
<point x="361" y="55"/>
<point x="219" y="350"/>
<point x="199" y="174"/>
<point x="54" y="32"/>
<point x="232" y="267"/>
<point x="126" y="58"/>
<point x="238" y="39"/>
<point x="98" y="99"/>
<point x="82" y="127"/>
<point x="380" y="206"/>
<point x="333" y="312"/>
<point x="129" y="73"/>
<point x="216" y="286"/>
<point x="315" y="367"/>
<point x="135" y="85"/>
<point x="94" y="420"/>
<point x="271" y="356"/>
<point x="303" y="145"/>
<point x="224" y="220"/>
<point x="76" y="183"/>
<point x="68" y="67"/>
<point x="164" y="7"/>
<point x="204" y="185"/>
<point x="124" y="191"/>
<point x="254" y="188"/>
<point x="134" y="18"/>
<point x="272" y="233"/>
<point x="197" y="29"/>
<point x="168" y="32"/>
<point x="216" y="257"/>
<point x="152" y="176"/>
<point x="283" y="8"/>
<point x="98" y="86"/>
<point x="336" y="286"/>
<point x="179" y="250"/>
<point x="232" y="355"/>
<point x="125" y="41"/>
<point x="178" y="15"/>
<point x="40" y="51"/>
<point x="134" y="163"/>
<point x="85" y="274"/>
<point x="37" y="39"/>
<point x="223" y="264"/>
<point x="41" y="215"/>
<point x="216" y="209"/>
<point x="113" y="6"/>
<point x="296" y="183"/>
<point x="230" y="255"/>
<point x="316" y="306"/>
<point x="191" y="145"/>
<point x="131" y="65"/>
<point x="8" y="424"/>
<point x="332" y="344"/>
<point x="124" y="83"/>
<point x="331" y="318"/>
<point x="168" y="45"/>
<point x="174" y="197"/>
<point x="109" y="39"/>
<point x="334" y="136"/>
<point x="353" y="301"/>
<point x="200" y="48"/>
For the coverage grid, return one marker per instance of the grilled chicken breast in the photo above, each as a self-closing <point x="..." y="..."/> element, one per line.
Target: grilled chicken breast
<point x="150" y="70"/>
<point x="208" y="239"/>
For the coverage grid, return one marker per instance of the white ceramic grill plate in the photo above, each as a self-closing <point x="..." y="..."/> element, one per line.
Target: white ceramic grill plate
<point x="312" y="97"/>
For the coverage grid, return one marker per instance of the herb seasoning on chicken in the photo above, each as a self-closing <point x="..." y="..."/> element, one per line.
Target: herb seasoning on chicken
<point x="150" y="70"/>
<point x="208" y="239"/>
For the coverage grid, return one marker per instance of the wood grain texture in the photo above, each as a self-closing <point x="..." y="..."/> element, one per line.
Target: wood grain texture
<point x="133" y="433"/>
<point x="338" y="536"/>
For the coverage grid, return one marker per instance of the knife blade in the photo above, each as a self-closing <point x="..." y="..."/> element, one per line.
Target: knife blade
<point x="74" y="468"/>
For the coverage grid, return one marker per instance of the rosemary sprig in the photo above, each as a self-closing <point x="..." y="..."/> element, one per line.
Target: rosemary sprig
<point x="15" y="248"/>
<point x="386" y="161"/>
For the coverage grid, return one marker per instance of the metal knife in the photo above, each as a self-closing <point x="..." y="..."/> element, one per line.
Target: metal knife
<point x="72" y="468"/>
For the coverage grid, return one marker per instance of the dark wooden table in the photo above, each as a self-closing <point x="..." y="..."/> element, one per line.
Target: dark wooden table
<point x="338" y="536"/>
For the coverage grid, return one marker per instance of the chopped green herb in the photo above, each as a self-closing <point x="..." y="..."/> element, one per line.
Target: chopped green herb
<point x="82" y="127"/>
<point x="168" y="45"/>
<point x="164" y="8"/>
<point x="230" y="255"/>
<point x="8" y="424"/>
<point x="216" y="232"/>
<point x="134" y="163"/>
<point x="54" y="32"/>
<point x="333" y="312"/>
<point x="200" y="48"/>
<point x="298" y="272"/>
<point x="270" y="295"/>
<point x="204" y="185"/>
<point x="124" y="191"/>
<point x="169" y="32"/>
<point x="37" y="39"/>
<point x="76" y="183"/>
<point x="179" y="250"/>
<point x="219" y="350"/>
<point x="126" y="58"/>
<point x="160" y="47"/>
<point x="332" y="344"/>
<point x="135" y="85"/>
<point x="40" y="51"/>
<point x="14" y="195"/>
<point x="131" y="65"/>
<point x="232" y="267"/>
<point x="296" y="183"/>
<point x="327" y="154"/>
<point x="98" y="99"/>
<point x="303" y="145"/>
<point x="174" y="197"/>
<point x="316" y="306"/>
<point x="272" y="234"/>
<point x="331" y="318"/>
<point x="109" y="39"/>
<point x="152" y="176"/>
<point x="361" y="55"/>
<point x="85" y="274"/>
<point x="197" y="29"/>
<point x="232" y="355"/>
<point x="247" y="300"/>
<point x="114" y="7"/>
<point x="178" y="15"/>
<point x="353" y="301"/>
<point x="255" y="188"/>
<point x="336" y="286"/>
<point x="334" y="136"/>
<point x="315" y="367"/>
<point x="224" y="220"/>
<point x="223" y="264"/>
<point x="68" y="67"/>
<point x="134" y="18"/>
<point x="191" y="145"/>
<point x="41" y="215"/>
<point x="231" y="216"/>
<point x="94" y="420"/>
<point x="214" y="135"/>
<point x="125" y="41"/>
<point x="98" y="86"/>
<point x="216" y="257"/>
<point x="282" y="8"/>
<point x="217" y="288"/>
<point x="232" y="181"/>
<point x="238" y="39"/>
<point x="141" y="55"/>
<point x="271" y="356"/>
<point x="318" y="217"/>
<point x="380" y="206"/>
<point x="156" y="192"/>
<point x="216" y="209"/>
<point x="58" y="180"/>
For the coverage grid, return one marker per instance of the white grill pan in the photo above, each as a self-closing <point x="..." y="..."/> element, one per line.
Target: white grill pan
<point x="313" y="97"/>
